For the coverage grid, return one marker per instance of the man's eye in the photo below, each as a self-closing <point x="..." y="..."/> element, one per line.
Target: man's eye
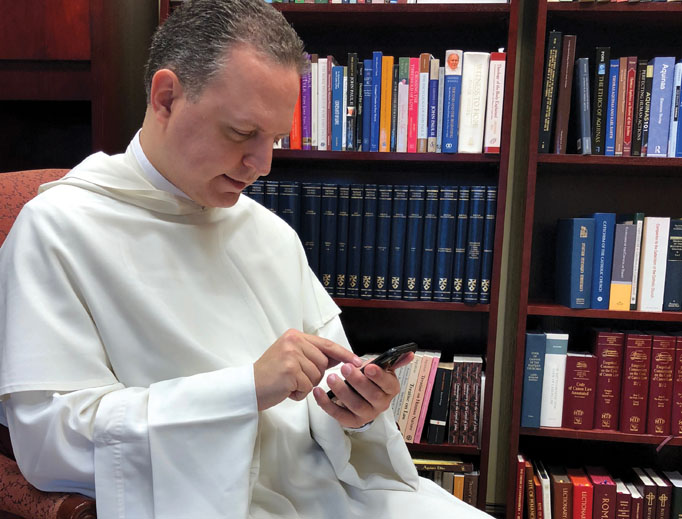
<point x="242" y="134"/>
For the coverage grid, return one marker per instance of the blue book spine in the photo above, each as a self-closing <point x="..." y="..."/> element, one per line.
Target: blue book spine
<point x="533" y="371"/>
<point x="360" y="107"/>
<point x="257" y="192"/>
<point x="351" y="100"/>
<point x="488" y="244"/>
<point x="272" y="195"/>
<point x="289" y="204"/>
<point x="445" y="242"/>
<point x="328" y="208"/>
<point x="357" y="195"/>
<point x="472" y="269"/>
<point x="429" y="246"/>
<point x="383" y="241"/>
<point x="310" y="222"/>
<point x="574" y="254"/>
<point x="413" y="242"/>
<point x="604" y="229"/>
<point x="369" y="227"/>
<point x="672" y="293"/>
<point x="459" y="258"/>
<point x="368" y="72"/>
<point x="661" y="101"/>
<point x="375" y="107"/>
<point x="675" y="110"/>
<point x="678" y="139"/>
<point x="337" y="107"/>
<point x="582" y="90"/>
<point x="342" y="212"/>
<point x="433" y="109"/>
<point x="397" y="253"/>
<point x="612" y="108"/>
<point x="452" y="93"/>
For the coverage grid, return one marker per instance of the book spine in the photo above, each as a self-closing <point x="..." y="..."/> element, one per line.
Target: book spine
<point x="403" y="95"/>
<point x="354" y="240"/>
<point x="648" y="83"/>
<point x="472" y="104"/>
<point x="459" y="257"/>
<point x="419" y="392"/>
<point x="622" y="266"/>
<point x="612" y="108"/>
<point x="622" y="94"/>
<point x="295" y="132"/>
<point x="493" y="115"/>
<point x="369" y="222"/>
<point x="672" y="292"/>
<point x="604" y="226"/>
<point x="394" y="108"/>
<point x="599" y="99"/>
<point x="678" y="138"/>
<point x="582" y="87"/>
<point x="351" y="102"/>
<point x="413" y="242"/>
<point x="385" y="105"/>
<point x="472" y="269"/>
<point x="306" y="85"/>
<point x="375" y="107"/>
<point x="342" y="236"/>
<point x="638" y="220"/>
<point x="413" y="106"/>
<point x="337" y="108"/>
<point x="635" y="388"/>
<point x="322" y="87"/>
<point x="675" y="110"/>
<point x="661" y="101"/>
<point x="476" y="403"/>
<point x="609" y="352"/>
<point x="429" y="243"/>
<point x="410" y="387"/>
<point x="549" y="90"/>
<point x="638" y="122"/>
<point x="488" y="245"/>
<point x="310" y="222"/>
<point x="445" y="245"/>
<point x="328" y="209"/>
<point x="272" y="195"/>
<point x="579" y="392"/>
<point x="534" y="362"/>
<point x="383" y="236"/>
<point x="289" y="204"/>
<point x="575" y="248"/>
<point x="397" y="253"/>
<point x="565" y="85"/>
<point x="368" y="73"/>
<point x="603" y="493"/>
<point x="424" y="411"/>
<point x="455" y="403"/>
<point x="631" y="86"/>
<point x="432" y="105"/>
<point x="423" y="102"/>
<point x="314" y="100"/>
<point x="659" y="408"/>
<point x="440" y="104"/>
<point x="257" y="191"/>
<point x="653" y="263"/>
<point x="676" y="414"/>
<point x="359" y="118"/>
<point x="440" y="404"/>
<point x="451" y="95"/>
<point x="551" y="410"/>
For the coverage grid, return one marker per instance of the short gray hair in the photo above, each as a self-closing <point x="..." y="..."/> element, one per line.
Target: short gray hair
<point x="194" y="41"/>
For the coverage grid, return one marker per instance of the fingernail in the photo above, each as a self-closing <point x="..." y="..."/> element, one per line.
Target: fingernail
<point x="346" y="369"/>
<point x="333" y="378"/>
<point x="357" y="361"/>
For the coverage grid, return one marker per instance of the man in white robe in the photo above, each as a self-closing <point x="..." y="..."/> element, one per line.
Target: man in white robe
<point x="163" y="337"/>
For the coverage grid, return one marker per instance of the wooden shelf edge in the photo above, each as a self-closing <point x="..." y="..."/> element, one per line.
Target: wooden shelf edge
<point x="549" y="309"/>
<point x="616" y="7"/>
<point x="597" y="435"/>
<point x="366" y="156"/>
<point x="476" y="8"/>
<point x="602" y="160"/>
<point x="410" y="305"/>
<point x="443" y="448"/>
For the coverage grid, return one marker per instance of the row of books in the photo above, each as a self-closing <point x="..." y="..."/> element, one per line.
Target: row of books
<point x="621" y="263"/>
<point x="440" y="402"/>
<point x="629" y="381"/>
<point x="614" y="1"/>
<point x="391" y="241"/>
<point x="456" y="476"/>
<point x="390" y="1"/>
<point x="405" y="104"/>
<point x="595" y="492"/>
<point x="628" y="106"/>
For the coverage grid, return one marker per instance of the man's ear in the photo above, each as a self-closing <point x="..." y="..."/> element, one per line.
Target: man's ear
<point x="166" y="90"/>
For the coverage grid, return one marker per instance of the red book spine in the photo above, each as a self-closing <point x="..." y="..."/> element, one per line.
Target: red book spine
<point x="631" y="79"/>
<point x="582" y="494"/>
<point x="604" y="493"/>
<point x="661" y="384"/>
<point x="623" y="506"/>
<point x="635" y="383"/>
<point x="539" y="502"/>
<point x="579" y="390"/>
<point x="520" y="479"/>
<point x="413" y="106"/>
<point x="676" y="415"/>
<point x="295" y="133"/>
<point x="608" y="347"/>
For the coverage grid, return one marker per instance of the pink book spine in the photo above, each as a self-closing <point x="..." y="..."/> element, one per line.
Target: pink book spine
<point x="427" y="399"/>
<point x="413" y="106"/>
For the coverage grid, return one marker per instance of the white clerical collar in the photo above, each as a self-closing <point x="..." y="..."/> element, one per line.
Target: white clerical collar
<point x="153" y="175"/>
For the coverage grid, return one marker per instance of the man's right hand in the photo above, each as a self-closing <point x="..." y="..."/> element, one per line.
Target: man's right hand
<point x="294" y="365"/>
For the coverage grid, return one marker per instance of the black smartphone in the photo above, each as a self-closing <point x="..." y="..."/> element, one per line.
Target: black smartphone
<point x="386" y="360"/>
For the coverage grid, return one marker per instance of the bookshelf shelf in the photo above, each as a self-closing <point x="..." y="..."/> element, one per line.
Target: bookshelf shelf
<point x="550" y="309"/>
<point x="420" y="448"/>
<point x="595" y="435"/>
<point x="366" y="156"/>
<point x="610" y="162"/>
<point x="410" y="305"/>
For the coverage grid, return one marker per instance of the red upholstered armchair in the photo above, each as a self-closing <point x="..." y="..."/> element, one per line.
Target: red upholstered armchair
<point x="18" y="498"/>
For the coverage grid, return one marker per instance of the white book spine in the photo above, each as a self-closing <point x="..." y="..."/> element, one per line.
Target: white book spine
<point x="439" y="123"/>
<point x="675" y="110"/>
<point x="423" y="106"/>
<point x="314" y="101"/>
<point x="472" y="108"/>
<point x="410" y="386"/>
<point x="652" y="266"/>
<point x="552" y="403"/>
<point x="322" y="87"/>
<point x="494" y="104"/>
<point x="344" y="108"/>
<point x="635" y="266"/>
<point x="401" y="131"/>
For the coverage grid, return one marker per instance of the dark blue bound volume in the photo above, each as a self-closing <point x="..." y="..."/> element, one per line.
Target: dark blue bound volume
<point x="429" y="244"/>
<point x="459" y="257"/>
<point x="488" y="244"/>
<point x="533" y="371"/>
<point x="257" y="192"/>
<point x="445" y="243"/>
<point x="342" y="213"/>
<point x="366" y="104"/>
<point x="574" y="251"/>
<point x="289" y="203"/>
<point x="604" y="229"/>
<point x="672" y="294"/>
<point x="337" y="115"/>
<point x="383" y="241"/>
<point x="397" y="254"/>
<point x="369" y="229"/>
<point x="360" y="106"/>
<point x="414" y="242"/>
<point x="357" y="195"/>
<point x="271" y="195"/>
<point x="472" y="269"/>
<point x="310" y="222"/>
<point x="375" y="107"/>
<point x="328" y="208"/>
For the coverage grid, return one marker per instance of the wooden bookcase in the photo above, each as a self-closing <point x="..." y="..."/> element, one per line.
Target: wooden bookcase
<point x="572" y="185"/>
<point x="71" y="78"/>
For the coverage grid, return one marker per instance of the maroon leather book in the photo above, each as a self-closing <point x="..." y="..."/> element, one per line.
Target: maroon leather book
<point x="649" y="492"/>
<point x="623" y="500"/>
<point x="635" y="383"/>
<point x="660" y="383"/>
<point x="608" y="348"/>
<point x="676" y="415"/>
<point x="604" y="493"/>
<point x="579" y="391"/>
<point x="636" y="502"/>
<point x="663" y="495"/>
